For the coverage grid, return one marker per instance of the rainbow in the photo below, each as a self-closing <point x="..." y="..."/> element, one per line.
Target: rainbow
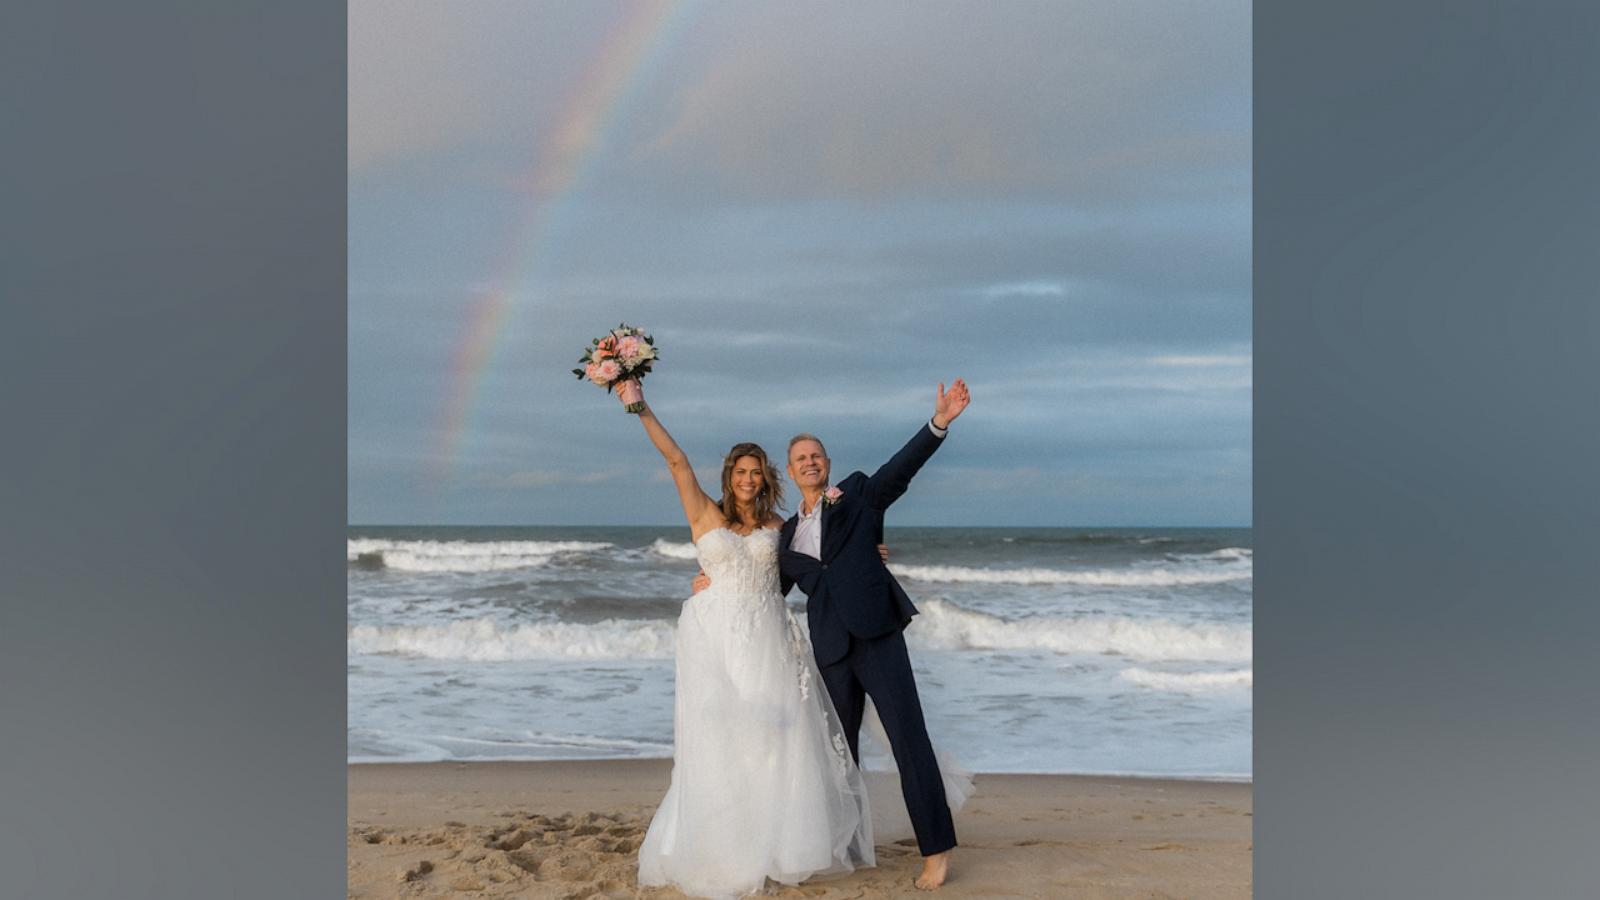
<point x="563" y="163"/>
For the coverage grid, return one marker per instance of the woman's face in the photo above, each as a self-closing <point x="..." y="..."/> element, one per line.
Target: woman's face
<point x="747" y="479"/>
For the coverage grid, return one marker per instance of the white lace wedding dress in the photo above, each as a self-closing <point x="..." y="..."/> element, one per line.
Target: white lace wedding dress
<point x="763" y="785"/>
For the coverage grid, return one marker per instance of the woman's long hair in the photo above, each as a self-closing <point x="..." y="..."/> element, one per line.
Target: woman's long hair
<point x="770" y="497"/>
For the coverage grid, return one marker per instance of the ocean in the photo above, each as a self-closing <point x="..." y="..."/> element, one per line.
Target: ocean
<point x="1064" y="650"/>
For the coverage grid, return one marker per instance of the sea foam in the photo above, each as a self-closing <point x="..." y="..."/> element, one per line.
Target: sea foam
<point x="486" y="640"/>
<point x="674" y="550"/>
<point x="1215" y="573"/>
<point x="461" y="556"/>
<point x="944" y="625"/>
<point x="1190" y="682"/>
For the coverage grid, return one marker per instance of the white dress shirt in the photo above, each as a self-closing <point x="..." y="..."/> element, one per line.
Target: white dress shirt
<point x="808" y="530"/>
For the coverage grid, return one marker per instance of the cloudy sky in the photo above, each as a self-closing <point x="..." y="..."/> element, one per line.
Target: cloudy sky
<point x="820" y="210"/>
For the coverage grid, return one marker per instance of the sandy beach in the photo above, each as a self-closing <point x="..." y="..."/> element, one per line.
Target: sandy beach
<point x="571" y="830"/>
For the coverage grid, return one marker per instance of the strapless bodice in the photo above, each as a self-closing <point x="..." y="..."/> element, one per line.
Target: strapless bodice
<point x="743" y="564"/>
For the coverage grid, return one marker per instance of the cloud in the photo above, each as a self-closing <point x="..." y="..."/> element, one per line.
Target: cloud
<point x="1202" y="360"/>
<point x="427" y="78"/>
<point x="820" y="211"/>
<point x="1089" y="100"/>
<point x="1026" y="289"/>
<point x="539" y="478"/>
<point x="410" y="80"/>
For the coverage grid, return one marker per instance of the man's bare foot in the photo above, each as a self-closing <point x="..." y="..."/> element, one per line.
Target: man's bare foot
<point x="934" y="869"/>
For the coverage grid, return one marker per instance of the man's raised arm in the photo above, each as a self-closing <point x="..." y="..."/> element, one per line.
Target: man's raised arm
<point x="893" y="477"/>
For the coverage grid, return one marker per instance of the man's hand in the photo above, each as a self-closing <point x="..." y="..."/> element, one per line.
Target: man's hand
<point x="701" y="582"/>
<point x="949" y="404"/>
<point x="883" y="553"/>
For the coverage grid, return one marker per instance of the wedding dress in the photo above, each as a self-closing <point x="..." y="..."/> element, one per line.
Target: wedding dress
<point x="763" y="785"/>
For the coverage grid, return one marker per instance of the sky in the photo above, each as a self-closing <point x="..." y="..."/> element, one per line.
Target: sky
<point x="821" y="211"/>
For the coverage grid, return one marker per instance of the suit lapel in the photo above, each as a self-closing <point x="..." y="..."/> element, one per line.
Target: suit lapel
<point x="822" y="529"/>
<point x="825" y="545"/>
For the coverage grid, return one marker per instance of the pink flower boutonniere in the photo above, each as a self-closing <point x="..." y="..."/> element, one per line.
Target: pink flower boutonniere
<point x="832" y="495"/>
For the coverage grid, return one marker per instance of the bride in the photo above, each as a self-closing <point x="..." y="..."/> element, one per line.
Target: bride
<point x="763" y="783"/>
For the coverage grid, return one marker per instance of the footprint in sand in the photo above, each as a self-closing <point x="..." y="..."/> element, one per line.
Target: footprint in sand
<point x="527" y="860"/>
<point x="515" y="839"/>
<point x="412" y="873"/>
<point x="589" y="855"/>
<point x="566" y="865"/>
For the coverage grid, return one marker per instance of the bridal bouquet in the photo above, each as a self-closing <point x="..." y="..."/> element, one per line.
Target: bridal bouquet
<point x="619" y="359"/>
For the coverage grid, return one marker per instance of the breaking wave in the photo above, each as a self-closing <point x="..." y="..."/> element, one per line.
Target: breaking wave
<point x="674" y="550"/>
<point x="460" y="556"/>
<point x="1213" y="573"/>
<point x="944" y="625"/>
<point x="485" y="640"/>
<point x="1190" y="682"/>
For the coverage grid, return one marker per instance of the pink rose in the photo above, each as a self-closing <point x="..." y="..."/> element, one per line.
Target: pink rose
<point x="832" y="495"/>
<point x="609" y="370"/>
<point x="628" y="348"/>
<point x="592" y="372"/>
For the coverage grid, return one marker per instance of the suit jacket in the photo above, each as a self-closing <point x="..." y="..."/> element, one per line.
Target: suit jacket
<point x="849" y="590"/>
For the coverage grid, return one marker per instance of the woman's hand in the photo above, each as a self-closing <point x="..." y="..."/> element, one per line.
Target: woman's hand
<point x="630" y="391"/>
<point x="883" y="553"/>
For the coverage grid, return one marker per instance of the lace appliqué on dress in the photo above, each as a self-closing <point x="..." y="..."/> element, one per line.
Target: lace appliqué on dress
<point x="802" y="649"/>
<point x="745" y="569"/>
<point x="841" y="754"/>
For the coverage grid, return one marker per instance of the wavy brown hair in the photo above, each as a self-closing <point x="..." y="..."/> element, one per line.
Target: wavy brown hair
<point x="767" y="501"/>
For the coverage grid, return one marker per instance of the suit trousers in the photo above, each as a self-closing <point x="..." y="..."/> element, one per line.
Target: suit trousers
<point x="879" y="668"/>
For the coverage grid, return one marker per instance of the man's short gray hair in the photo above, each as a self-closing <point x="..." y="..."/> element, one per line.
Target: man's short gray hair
<point x="807" y="436"/>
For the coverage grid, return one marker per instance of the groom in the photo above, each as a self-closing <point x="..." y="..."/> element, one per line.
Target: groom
<point x="856" y="612"/>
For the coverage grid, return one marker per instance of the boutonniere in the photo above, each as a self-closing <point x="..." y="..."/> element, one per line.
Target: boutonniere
<point x="831" y="496"/>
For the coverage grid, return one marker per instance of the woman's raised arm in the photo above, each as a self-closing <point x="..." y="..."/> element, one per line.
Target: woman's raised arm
<point x="697" y="507"/>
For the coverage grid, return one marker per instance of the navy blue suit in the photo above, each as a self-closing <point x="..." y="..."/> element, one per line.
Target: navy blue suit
<point x="856" y="611"/>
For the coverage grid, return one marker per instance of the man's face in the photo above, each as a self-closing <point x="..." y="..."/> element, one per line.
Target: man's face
<point x="808" y="465"/>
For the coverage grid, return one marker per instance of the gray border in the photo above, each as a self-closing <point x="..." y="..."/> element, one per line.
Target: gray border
<point x="171" y="615"/>
<point x="172" y="269"/>
<point x="1427" y="253"/>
